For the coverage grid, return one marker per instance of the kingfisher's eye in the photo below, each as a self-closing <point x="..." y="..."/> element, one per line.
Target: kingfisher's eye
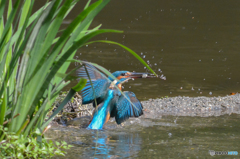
<point x="122" y="74"/>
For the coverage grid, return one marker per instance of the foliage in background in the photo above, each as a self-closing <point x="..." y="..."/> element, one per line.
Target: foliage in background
<point x="34" y="58"/>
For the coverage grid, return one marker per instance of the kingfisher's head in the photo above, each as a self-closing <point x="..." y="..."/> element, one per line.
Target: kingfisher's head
<point x="124" y="76"/>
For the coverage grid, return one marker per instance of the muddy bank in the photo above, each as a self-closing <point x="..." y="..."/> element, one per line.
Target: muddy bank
<point x="156" y="108"/>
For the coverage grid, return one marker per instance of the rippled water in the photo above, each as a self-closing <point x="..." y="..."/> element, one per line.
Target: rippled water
<point x="168" y="137"/>
<point x="195" y="44"/>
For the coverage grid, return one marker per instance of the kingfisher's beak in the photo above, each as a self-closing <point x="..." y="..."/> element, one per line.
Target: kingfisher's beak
<point x="140" y="75"/>
<point x="133" y="75"/>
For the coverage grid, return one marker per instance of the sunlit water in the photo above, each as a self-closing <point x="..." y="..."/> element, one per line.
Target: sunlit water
<point x="196" y="45"/>
<point x="169" y="137"/>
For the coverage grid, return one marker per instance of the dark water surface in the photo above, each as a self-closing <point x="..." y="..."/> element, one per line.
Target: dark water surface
<point x="168" y="137"/>
<point x="196" y="44"/>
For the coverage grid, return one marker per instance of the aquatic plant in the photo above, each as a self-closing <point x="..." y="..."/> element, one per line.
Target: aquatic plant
<point x="35" y="56"/>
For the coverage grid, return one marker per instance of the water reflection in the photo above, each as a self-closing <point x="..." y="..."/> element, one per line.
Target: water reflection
<point x="188" y="137"/>
<point x="121" y="145"/>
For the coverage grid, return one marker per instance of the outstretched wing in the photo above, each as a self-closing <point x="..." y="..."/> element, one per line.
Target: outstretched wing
<point x="125" y="109"/>
<point x="99" y="91"/>
<point x="99" y="85"/>
<point x="93" y="72"/>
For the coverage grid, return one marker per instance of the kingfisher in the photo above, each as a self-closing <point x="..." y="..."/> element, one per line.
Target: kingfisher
<point x="108" y="99"/>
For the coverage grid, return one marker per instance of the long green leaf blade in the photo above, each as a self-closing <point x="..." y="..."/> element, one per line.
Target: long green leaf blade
<point x="126" y="48"/>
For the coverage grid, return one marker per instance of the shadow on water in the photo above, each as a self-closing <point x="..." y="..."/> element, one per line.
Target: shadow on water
<point x="174" y="137"/>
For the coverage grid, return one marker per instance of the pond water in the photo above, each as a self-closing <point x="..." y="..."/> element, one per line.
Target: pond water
<point x="196" y="45"/>
<point x="166" y="137"/>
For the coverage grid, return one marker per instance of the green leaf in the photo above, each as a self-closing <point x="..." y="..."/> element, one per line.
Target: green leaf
<point x="9" y="23"/>
<point x="81" y="84"/>
<point x="126" y="48"/>
<point x="3" y="108"/>
<point x="57" y="143"/>
<point x="2" y="6"/>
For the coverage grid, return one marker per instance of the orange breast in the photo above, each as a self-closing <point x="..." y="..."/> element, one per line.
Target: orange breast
<point x="119" y="86"/>
<point x="107" y="118"/>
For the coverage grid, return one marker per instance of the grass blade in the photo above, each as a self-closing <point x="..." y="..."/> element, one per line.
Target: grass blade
<point x="126" y="48"/>
<point x="69" y="96"/>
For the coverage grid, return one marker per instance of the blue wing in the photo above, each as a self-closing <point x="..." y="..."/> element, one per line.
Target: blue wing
<point x="99" y="83"/>
<point x="93" y="72"/>
<point x="124" y="109"/>
<point x="99" y="91"/>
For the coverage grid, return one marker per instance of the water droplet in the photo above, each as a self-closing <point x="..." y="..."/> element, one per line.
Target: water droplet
<point x="144" y="67"/>
<point x="141" y="53"/>
<point x="200" y="60"/>
<point x="163" y="77"/>
<point x="199" y="89"/>
<point x="192" y="89"/>
<point x="210" y="93"/>
<point x="129" y="86"/>
<point x="148" y="61"/>
<point x="212" y="59"/>
<point x="144" y="56"/>
<point x="181" y="87"/>
<point x="204" y="79"/>
<point x="170" y="134"/>
<point x="159" y="69"/>
<point x="155" y="64"/>
<point x="161" y="49"/>
<point x="153" y="57"/>
<point x="86" y="45"/>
